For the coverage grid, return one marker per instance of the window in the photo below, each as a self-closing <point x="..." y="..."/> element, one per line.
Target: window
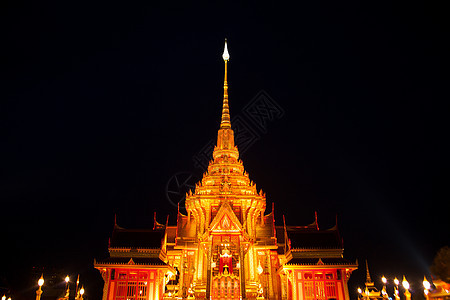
<point x="330" y="289"/>
<point x="131" y="289"/>
<point x="142" y="290"/>
<point x="133" y="286"/>
<point x="121" y="290"/>
<point x="318" y="285"/>
<point x="320" y="290"/>
<point x="309" y="290"/>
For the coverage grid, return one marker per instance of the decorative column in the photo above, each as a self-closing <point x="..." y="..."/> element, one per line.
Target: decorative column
<point x="105" y="275"/>
<point x="284" y="284"/>
<point x="269" y="270"/>
<point x="242" y="271"/>
<point x="346" y="277"/>
<point x="208" y="272"/>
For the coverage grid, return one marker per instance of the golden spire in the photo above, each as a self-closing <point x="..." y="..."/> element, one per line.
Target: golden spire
<point x="368" y="279"/>
<point x="225" y="123"/>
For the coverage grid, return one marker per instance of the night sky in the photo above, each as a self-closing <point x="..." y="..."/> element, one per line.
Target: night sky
<point x="103" y="103"/>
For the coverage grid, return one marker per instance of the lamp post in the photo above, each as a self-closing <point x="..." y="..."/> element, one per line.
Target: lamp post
<point x="426" y="288"/>
<point x="396" y="292"/>
<point x="81" y="293"/>
<point x="39" y="290"/>
<point x="383" y="291"/>
<point x="67" y="279"/>
<point x="405" y="284"/>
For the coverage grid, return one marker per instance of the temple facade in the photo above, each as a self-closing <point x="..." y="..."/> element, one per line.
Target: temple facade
<point x="226" y="246"/>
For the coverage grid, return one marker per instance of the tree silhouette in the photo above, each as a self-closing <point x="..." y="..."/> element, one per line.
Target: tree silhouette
<point x="441" y="264"/>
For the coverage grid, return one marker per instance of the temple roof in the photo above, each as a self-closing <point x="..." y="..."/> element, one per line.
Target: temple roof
<point x="136" y="238"/>
<point x="131" y="261"/>
<point x="319" y="261"/>
<point x="314" y="239"/>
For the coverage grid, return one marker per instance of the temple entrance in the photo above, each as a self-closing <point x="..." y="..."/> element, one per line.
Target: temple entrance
<point x="225" y="268"/>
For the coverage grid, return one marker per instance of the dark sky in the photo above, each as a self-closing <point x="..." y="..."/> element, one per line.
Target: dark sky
<point x="103" y="103"/>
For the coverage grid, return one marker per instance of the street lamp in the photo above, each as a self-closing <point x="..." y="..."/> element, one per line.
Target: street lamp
<point x="359" y="293"/>
<point x="39" y="290"/>
<point x="81" y="293"/>
<point x="405" y="284"/>
<point x="426" y="287"/>
<point x="396" y="293"/>
<point x="383" y="291"/>
<point x="67" y="279"/>
<point x="4" y="297"/>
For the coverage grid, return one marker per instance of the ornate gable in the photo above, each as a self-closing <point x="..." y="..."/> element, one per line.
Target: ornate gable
<point x="225" y="221"/>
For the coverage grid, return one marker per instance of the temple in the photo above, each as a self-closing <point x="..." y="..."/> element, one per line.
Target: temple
<point x="226" y="245"/>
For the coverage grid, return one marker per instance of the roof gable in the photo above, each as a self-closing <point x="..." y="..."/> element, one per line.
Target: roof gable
<point x="225" y="221"/>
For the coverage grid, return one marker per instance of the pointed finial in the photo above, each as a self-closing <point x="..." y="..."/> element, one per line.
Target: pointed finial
<point x="226" y="55"/>
<point x="225" y="122"/>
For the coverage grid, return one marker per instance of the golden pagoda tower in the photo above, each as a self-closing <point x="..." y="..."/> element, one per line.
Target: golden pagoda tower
<point x="225" y="209"/>
<point x="226" y="246"/>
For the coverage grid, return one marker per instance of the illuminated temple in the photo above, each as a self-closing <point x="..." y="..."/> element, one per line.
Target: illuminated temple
<point x="226" y="246"/>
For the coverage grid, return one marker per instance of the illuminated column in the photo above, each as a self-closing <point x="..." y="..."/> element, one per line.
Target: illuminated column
<point x="182" y="290"/>
<point x="269" y="270"/>
<point x="198" y="262"/>
<point x="284" y="284"/>
<point x="208" y="272"/>
<point x="345" y="277"/>
<point x="105" y="275"/>
<point x="242" y="271"/>
<point x="251" y="262"/>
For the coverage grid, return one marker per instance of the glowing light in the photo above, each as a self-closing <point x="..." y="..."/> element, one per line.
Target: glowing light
<point x="41" y="281"/>
<point x="396" y="281"/>
<point x="359" y="290"/>
<point x="4" y="297"/>
<point x="383" y="279"/>
<point x="260" y="269"/>
<point x="405" y="283"/>
<point x="426" y="284"/>
<point x="67" y="279"/>
<point x="226" y="55"/>
<point x="82" y="291"/>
